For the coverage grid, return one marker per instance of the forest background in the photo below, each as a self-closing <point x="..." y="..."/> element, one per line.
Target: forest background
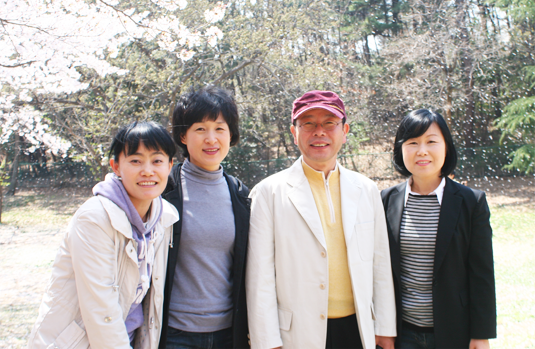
<point x="72" y="72"/>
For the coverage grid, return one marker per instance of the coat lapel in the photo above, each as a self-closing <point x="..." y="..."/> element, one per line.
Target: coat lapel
<point x="301" y="197"/>
<point x="350" y="191"/>
<point x="394" y="212"/>
<point x="449" y="214"/>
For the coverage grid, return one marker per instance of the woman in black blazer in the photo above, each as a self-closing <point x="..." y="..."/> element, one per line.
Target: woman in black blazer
<point x="440" y="243"/>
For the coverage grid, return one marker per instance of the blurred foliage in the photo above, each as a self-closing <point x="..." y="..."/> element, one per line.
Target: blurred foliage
<point x="518" y="120"/>
<point x="463" y="58"/>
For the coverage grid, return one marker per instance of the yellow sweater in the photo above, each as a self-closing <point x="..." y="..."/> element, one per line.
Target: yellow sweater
<point x="328" y="201"/>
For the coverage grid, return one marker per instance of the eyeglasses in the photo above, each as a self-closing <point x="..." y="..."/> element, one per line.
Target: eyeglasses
<point x="310" y="126"/>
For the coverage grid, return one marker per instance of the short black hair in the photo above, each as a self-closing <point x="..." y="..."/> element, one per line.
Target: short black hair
<point x="416" y="124"/>
<point x="205" y="104"/>
<point x="153" y="136"/>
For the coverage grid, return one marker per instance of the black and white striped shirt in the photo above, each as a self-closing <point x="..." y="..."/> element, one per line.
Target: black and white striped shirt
<point x="418" y="234"/>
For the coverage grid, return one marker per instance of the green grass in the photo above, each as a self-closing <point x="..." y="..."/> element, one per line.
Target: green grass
<point x="34" y="224"/>
<point x="49" y="208"/>
<point x="514" y="260"/>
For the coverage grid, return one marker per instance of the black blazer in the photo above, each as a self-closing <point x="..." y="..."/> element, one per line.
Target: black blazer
<point x="464" y="296"/>
<point x="241" y="206"/>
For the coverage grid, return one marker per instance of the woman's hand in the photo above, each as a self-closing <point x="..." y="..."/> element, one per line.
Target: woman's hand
<point x="479" y="344"/>
<point x="385" y="342"/>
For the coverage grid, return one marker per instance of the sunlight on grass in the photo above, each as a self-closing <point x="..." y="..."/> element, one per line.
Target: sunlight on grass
<point x="514" y="260"/>
<point x="34" y="224"/>
<point x="44" y="209"/>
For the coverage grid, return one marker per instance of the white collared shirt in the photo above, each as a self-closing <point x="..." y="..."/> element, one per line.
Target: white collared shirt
<point x="439" y="191"/>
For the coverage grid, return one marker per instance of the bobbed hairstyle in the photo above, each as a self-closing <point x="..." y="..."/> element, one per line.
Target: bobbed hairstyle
<point x="206" y="103"/>
<point x="153" y="136"/>
<point x="416" y="124"/>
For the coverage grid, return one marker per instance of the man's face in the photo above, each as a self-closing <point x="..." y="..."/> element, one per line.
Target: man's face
<point x="319" y="147"/>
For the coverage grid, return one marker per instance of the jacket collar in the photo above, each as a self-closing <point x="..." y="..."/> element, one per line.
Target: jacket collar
<point x="303" y="200"/>
<point x="120" y="222"/>
<point x="449" y="215"/>
<point x="350" y="192"/>
<point x="396" y="203"/>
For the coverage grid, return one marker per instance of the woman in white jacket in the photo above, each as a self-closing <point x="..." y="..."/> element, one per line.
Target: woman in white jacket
<point x="106" y="288"/>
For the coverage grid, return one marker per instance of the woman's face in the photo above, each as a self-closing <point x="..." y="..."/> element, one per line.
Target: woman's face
<point x="424" y="156"/>
<point x="144" y="174"/>
<point x="208" y="143"/>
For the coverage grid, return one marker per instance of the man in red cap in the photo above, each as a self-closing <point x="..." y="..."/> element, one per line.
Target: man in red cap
<point x="318" y="268"/>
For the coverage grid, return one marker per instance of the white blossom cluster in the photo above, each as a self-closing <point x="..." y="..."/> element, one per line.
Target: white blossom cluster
<point x="43" y="41"/>
<point x="28" y="123"/>
<point x="216" y="14"/>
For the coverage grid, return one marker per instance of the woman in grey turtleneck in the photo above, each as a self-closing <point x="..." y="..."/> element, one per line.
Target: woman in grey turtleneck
<point x="204" y="303"/>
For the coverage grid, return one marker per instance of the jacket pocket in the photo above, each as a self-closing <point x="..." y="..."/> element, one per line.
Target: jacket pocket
<point x="72" y="337"/>
<point x="365" y="240"/>
<point x="285" y="319"/>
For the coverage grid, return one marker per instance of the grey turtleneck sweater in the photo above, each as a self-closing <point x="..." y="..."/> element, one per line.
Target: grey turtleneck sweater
<point x="201" y="300"/>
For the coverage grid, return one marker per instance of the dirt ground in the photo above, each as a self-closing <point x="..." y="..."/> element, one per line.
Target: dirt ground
<point x="36" y="222"/>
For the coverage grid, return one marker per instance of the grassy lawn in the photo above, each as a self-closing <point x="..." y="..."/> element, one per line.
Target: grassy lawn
<point x="34" y="224"/>
<point x="48" y="208"/>
<point x="514" y="259"/>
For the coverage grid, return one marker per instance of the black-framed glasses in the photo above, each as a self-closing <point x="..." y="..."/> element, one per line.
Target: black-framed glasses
<point x="310" y="126"/>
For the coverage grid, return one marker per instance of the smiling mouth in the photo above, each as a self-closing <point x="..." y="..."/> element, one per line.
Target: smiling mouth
<point x="146" y="183"/>
<point x="211" y="150"/>
<point x="426" y="162"/>
<point x="319" y="145"/>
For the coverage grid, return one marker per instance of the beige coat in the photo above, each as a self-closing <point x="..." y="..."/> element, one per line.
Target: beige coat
<point x="94" y="280"/>
<point x="287" y="265"/>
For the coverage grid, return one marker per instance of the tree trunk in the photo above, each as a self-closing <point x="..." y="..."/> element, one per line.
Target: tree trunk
<point x="395" y="17"/>
<point x="3" y="173"/>
<point x="448" y="106"/>
<point x="103" y="172"/>
<point x="14" y="167"/>
<point x="1" y="200"/>
<point x="467" y="68"/>
<point x="367" y="57"/>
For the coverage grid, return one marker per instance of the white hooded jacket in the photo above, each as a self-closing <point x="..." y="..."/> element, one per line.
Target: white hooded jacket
<point x="94" y="281"/>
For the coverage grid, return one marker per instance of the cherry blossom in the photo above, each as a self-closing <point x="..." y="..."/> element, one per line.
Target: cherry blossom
<point x="186" y="55"/>
<point x="214" y="34"/>
<point x="28" y="123"/>
<point x="216" y="14"/>
<point x="42" y="42"/>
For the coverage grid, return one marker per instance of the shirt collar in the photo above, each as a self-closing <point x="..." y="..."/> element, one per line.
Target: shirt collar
<point x="439" y="191"/>
<point x="321" y="172"/>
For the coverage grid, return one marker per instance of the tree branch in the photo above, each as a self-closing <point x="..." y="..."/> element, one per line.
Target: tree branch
<point x="233" y="71"/>
<point x="17" y="65"/>
<point x="177" y="89"/>
<point x="77" y="103"/>
<point x="124" y="14"/>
